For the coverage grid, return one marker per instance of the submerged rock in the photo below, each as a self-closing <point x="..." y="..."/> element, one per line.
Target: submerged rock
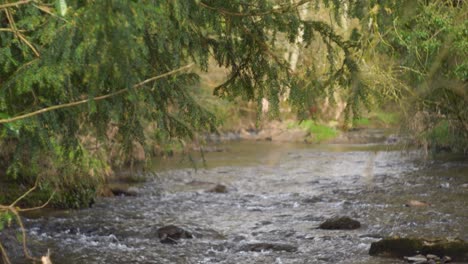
<point x="263" y="246"/>
<point x="401" y="247"/>
<point x="218" y="188"/>
<point x="123" y="191"/>
<point x="171" y="233"/>
<point x="340" y="223"/>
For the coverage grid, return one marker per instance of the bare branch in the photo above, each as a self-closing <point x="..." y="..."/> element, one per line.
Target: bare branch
<point x="15" y="4"/>
<point x="4" y="255"/>
<point x="15" y="211"/>
<point x="55" y="107"/>
<point x="18" y="34"/>
<point x="39" y="207"/>
<point x="26" y="193"/>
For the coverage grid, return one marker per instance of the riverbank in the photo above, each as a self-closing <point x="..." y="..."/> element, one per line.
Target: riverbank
<point x="309" y="132"/>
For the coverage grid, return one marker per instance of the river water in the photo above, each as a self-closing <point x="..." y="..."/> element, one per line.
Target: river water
<point x="277" y="193"/>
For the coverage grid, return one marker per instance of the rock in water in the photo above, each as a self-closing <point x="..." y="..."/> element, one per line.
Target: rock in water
<point x="218" y="188"/>
<point x="171" y="233"/>
<point x="122" y="191"/>
<point x="340" y="223"/>
<point x="258" y="247"/>
<point x="416" y="259"/>
<point x="400" y="247"/>
<point x="395" y="247"/>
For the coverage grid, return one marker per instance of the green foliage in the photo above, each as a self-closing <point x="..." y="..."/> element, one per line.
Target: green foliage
<point x="440" y="134"/>
<point x="387" y="118"/>
<point x="429" y="41"/>
<point x="377" y="119"/>
<point x="83" y="49"/>
<point x="361" y="122"/>
<point x="6" y="219"/>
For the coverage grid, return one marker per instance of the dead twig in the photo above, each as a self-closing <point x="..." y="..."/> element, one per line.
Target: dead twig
<point x="4" y="254"/>
<point x="13" y="209"/>
<point x="24" y="2"/>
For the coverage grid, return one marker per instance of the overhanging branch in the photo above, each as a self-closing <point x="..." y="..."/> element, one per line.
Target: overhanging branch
<point x="102" y="97"/>
<point x="24" y="2"/>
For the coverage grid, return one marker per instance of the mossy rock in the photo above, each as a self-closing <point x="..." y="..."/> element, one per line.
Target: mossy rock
<point x="400" y="247"/>
<point x="340" y="223"/>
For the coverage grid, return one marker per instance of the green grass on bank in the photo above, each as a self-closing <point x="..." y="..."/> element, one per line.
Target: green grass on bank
<point x="318" y="132"/>
<point x="377" y="119"/>
<point x="442" y="135"/>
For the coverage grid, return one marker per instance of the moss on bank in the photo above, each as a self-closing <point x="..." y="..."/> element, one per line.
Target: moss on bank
<point x="317" y="132"/>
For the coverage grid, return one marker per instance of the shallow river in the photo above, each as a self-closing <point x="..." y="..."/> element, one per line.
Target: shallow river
<point x="277" y="193"/>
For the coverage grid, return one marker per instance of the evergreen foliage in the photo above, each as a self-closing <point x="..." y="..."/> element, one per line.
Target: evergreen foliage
<point x="97" y="61"/>
<point x="58" y="52"/>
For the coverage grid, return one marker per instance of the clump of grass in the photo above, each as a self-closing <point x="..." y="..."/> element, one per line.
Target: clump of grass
<point x="318" y="132"/>
<point x="361" y="122"/>
<point x="441" y="134"/>
<point x="377" y="119"/>
<point x="387" y="118"/>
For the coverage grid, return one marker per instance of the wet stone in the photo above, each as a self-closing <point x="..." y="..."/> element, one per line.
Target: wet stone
<point x="446" y="259"/>
<point x="218" y="188"/>
<point x="259" y="247"/>
<point x="120" y="191"/>
<point x="171" y="233"/>
<point x="340" y="223"/>
<point x="431" y="256"/>
<point x="419" y="259"/>
<point x="400" y="247"/>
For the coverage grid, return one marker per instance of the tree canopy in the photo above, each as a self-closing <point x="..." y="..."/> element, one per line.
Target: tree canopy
<point x="111" y="69"/>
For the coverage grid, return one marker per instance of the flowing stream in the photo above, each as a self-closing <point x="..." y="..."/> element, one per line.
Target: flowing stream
<point x="276" y="193"/>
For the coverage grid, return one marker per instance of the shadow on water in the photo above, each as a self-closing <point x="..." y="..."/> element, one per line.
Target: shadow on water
<point x="276" y="193"/>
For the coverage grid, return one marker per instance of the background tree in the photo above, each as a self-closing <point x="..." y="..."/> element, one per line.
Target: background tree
<point x="425" y="45"/>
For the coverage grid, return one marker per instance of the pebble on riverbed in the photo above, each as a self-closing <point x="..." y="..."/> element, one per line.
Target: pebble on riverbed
<point x="218" y="188"/>
<point x="340" y="223"/>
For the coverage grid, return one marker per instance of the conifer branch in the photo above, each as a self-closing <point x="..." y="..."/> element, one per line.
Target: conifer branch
<point x="281" y="9"/>
<point x="18" y="34"/>
<point x="102" y="97"/>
